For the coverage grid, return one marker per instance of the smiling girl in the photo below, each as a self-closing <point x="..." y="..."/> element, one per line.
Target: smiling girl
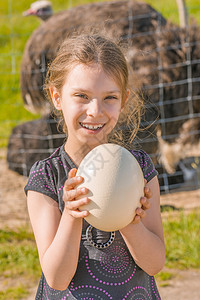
<point x="88" y="86"/>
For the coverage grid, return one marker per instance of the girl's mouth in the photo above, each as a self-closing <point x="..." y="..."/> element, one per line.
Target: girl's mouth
<point x="92" y="127"/>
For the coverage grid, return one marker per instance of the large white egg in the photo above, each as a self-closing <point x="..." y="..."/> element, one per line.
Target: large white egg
<point x="115" y="182"/>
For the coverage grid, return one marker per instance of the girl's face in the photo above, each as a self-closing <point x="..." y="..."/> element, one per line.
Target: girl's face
<point x="91" y="103"/>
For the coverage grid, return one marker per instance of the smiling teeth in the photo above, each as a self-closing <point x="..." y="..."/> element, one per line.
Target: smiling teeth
<point x="93" y="127"/>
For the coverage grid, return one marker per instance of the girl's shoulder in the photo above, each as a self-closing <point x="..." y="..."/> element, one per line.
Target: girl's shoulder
<point x="48" y="165"/>
<point x="46" y="175"/>
<point x="56" y="162"/>
<point x="145" y="163"/>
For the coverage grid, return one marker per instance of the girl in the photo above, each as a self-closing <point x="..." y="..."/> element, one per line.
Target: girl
<point x="88" y="85"/>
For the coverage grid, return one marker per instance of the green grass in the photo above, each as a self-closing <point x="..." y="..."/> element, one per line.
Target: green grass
<point x="182" y="241"/>
<point x="164" y="277"/>
<point x="182" y="244"/>
<point x="19" y="262"/>
<point x="18" y="254"/>
<point x="14" y="32"/>
<point x="14" y="293"/>
<point x="170" y="11"/>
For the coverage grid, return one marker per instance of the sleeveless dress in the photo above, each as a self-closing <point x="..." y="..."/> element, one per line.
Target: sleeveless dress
<point x="107" y="272"/>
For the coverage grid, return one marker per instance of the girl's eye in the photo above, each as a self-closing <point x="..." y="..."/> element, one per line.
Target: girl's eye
<point x="82" y="96"/>
<point x="111" y="97"/>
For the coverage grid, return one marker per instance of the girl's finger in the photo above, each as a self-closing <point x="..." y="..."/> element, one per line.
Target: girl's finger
<point x="72" y="173"/>
<point x="145" y="203"/>
<point x="79" y="214"/>
<point x="74" y="205"/>
<point x="74" y="193"/>
<point x="147" y="192"/>
<point x="136" y="219"/>
<point x="140" y="212"/>
<point x="72" y="182"/>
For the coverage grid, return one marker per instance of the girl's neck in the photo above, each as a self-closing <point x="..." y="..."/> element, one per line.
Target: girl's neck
<point x="78" y="153"/>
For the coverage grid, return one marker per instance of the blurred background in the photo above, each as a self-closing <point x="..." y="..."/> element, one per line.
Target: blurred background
<point x="162" y="41"/>
<point x="163" y="49"/>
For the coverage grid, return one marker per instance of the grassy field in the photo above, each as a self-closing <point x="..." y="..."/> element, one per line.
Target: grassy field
<point x="20" y="264"/>
<point x="15" y="30"/>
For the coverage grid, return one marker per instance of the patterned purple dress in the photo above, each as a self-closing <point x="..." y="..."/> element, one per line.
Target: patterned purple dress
<point x="107" y="272"/>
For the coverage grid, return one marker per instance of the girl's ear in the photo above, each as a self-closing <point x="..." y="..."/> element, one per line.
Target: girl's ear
<point x="55" y="98"/>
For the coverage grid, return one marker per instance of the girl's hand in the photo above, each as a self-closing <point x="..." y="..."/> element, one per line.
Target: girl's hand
<point x="71" y="193"/>
<point x="145" y="204"/>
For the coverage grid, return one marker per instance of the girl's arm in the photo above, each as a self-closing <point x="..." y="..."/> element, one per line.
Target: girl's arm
<point x="144" y="236"/>
<point x="58" y="236"/>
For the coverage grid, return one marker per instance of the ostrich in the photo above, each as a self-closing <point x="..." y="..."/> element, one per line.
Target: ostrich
<point x="42" y="9"/>
<point x="161" y="57"/>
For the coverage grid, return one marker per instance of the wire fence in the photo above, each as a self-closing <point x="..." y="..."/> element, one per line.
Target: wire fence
<point x="167" y="59"/>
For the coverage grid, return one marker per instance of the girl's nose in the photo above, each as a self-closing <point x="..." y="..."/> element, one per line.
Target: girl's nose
<point x="94" y="108"/>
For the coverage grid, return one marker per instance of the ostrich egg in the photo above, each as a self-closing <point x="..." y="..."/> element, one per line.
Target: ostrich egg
<point x="115" y="182"/>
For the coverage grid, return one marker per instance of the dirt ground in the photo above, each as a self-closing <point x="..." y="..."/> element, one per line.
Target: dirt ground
<point x="13" y="213"/>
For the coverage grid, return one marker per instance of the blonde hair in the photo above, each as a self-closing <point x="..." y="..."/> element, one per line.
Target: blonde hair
<point x="88" y="49"/>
